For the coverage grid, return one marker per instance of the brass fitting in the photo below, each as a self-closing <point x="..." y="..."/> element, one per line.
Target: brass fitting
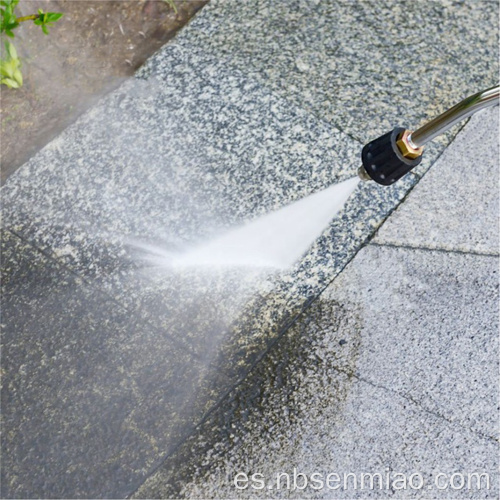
<point x="407" y="149"/>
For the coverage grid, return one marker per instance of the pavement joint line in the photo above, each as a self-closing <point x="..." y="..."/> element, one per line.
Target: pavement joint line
<point x="362" y="142"/>
<point x="333" y="124"/>
<point x="319" y="118"/>
<point x="415" y="402"/>
<point x="234" y="387"/>
<point x="63" y="265"/>
<point x="419" y="177"/>
<point x="306" y="109"/>
<point x="436" y="249"/>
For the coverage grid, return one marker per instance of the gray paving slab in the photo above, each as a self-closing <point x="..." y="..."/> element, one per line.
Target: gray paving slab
<point x="364" y="66"/>
<point x="455" y="207"/>
<point x="430" y="329"/>
<point x="308" y="407"/>
<point x="91" y="395"/>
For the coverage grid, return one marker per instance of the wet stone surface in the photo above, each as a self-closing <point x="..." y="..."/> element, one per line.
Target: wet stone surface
<point x="143" y="165"/>
<point x="339" y="393"/>
<point x="86" y="386"/>
<point x="190" y="148"/>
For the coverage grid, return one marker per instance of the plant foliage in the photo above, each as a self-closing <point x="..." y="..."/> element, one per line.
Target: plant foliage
<point x="10" y="73"/>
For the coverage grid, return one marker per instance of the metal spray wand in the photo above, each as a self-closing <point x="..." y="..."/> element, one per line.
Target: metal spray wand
<point x="388" y="158"/>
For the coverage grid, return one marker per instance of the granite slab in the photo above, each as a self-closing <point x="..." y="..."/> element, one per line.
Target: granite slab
<point x="174" y="159"/>
<point x="430" y="329"/>
<point x="363" y="65"/>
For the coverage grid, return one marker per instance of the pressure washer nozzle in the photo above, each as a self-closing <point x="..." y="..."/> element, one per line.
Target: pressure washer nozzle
<point x="388" y="158"/>
<point x="363" y="175"/>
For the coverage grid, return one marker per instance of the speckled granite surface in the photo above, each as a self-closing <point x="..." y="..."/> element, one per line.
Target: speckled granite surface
<point x="364" y="66"/>
<point x="212" y="133"/>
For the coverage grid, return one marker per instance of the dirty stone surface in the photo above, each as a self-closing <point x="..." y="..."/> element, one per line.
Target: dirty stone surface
<point x="393" y="369"/>
<point x="124" y="359"/>
<point x="72" y="353"/>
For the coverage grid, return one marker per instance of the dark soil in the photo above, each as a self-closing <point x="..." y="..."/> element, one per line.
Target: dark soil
<point x="90" y="51"/>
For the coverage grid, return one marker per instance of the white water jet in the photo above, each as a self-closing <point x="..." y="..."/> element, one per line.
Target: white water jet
<point x="276" y="240"/>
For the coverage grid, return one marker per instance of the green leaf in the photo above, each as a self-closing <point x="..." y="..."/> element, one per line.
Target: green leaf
<point x="8" y="18"/>
<point x="6" y="69"/>
<point x="9" y="67"/>
<point x="9" y="22"/>
<point x="11" y="50"/>
<point x="54" y="16"/>
<point x="18" y="77"/>
<point x="44" y="29"/>
<point x="12" y="84"/>
<point x="171" y="4"/>
<point x="12" y="25"/>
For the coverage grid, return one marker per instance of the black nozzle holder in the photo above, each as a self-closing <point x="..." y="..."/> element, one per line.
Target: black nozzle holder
<point x="388" y="158"/>
<point x="384" y="162"/>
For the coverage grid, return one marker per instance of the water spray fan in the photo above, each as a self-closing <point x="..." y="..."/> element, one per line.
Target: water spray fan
<point x="391" y="156"/>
